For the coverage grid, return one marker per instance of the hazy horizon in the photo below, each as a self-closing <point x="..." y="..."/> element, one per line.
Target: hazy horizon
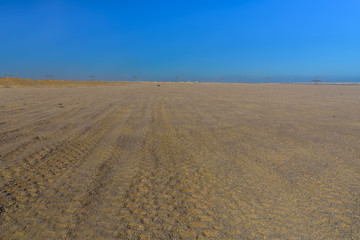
<point x="227" y="79"/>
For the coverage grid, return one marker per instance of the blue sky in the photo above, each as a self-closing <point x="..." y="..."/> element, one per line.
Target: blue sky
<point x="196" y="40"/>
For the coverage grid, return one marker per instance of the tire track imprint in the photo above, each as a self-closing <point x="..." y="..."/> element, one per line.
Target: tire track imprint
<point x="167" y="198"/>
<point x="28" y="140"/>
<point x="27" y="182"/>
<point x="112" y="178"/>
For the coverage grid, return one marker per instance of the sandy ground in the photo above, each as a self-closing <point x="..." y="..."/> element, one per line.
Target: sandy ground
<point x="180" y="161"/>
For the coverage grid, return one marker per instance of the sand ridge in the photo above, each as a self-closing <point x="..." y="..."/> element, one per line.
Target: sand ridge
<point x="11" y="82"/>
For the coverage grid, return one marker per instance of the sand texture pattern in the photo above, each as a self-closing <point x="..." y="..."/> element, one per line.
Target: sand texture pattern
<point x="180" y="161"/>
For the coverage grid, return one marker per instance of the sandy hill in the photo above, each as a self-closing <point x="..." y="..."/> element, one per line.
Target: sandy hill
<point x="19" y="82"/>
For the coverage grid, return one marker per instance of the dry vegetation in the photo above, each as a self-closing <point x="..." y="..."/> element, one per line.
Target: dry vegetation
<point x="180" y="161"/>
<point x="20" y="82"/>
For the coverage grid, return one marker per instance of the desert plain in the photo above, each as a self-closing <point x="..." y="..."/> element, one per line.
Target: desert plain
<point x="179" y="161"/>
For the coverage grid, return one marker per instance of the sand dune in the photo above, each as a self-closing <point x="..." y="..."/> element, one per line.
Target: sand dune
<point x="179" y="161"/>
<point x="20" y="82"/>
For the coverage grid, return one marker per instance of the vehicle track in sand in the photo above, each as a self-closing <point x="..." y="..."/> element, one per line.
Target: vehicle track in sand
<point x="180" y="161"/>
<point x="168" y="197"/>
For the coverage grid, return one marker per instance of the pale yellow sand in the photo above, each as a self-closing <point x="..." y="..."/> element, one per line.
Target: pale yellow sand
<point x="180" y="161"/>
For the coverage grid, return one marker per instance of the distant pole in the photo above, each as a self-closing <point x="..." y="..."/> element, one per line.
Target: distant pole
<point x="221" y="78"/>
<point x="316" y="80"/>
<point x="177" y="78"/>
<point x="268" y="79"/>
<point x="92" y="77"/>
<point x="134" y="78"/>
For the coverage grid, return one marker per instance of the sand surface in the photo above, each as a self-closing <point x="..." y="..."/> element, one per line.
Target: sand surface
<point x="180" y="161"/>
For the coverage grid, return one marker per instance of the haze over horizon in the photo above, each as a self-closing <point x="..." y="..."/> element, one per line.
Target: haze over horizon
<point x="231" y="41"/>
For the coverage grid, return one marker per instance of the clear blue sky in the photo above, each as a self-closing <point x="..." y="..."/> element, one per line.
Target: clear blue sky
<point x="196" y="40"/>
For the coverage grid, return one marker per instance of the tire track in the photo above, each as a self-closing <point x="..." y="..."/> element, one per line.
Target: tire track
<point x="111" y="180"/>
<point x="27" y="140"/>
<point x="167" y="199"/>
<point x="27" y="193"/>
<point x="74" y="127"/>
<point x="28" y="179"/>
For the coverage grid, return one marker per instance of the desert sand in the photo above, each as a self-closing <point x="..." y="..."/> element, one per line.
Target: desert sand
<point x="179" y="161"/>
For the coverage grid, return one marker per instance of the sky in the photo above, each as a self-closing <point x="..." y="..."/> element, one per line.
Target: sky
<point x="244" y="40"/>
